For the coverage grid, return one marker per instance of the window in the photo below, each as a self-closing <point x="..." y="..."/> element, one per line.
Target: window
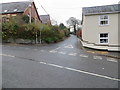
<point x="5" y="10"/>
<point x="15" y="10"/>
<point x="5" y="19"/>
<point x="104" y="38"/>
<point x="104" y="20"/>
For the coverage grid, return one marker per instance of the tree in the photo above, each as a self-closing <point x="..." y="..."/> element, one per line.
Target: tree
<point x="62" y="26"/>
<point x="72" y="21"/>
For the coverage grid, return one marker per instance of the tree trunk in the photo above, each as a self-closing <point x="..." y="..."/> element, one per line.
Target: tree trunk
<point x="75" y="29"/>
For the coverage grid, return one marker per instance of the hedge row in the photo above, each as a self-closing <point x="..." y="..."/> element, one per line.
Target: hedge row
<point x="28" y="31"/>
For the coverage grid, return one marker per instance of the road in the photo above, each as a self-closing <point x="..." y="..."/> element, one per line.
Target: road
<point x="60" y="65"/>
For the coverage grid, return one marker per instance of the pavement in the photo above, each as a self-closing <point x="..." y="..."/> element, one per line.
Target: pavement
<point x="60" y="65"/>
<point x="112" y="54"/>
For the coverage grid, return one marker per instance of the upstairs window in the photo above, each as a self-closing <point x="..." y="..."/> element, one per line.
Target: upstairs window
<point x="5" y="10"/>
<point x="104" y="20"/>
<point x="15" y="10"/>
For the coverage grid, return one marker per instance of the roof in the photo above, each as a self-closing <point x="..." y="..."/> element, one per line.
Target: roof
<point x="14" y="7"/>
<point x="115" y="8"/>
<point x="45" y="18"/>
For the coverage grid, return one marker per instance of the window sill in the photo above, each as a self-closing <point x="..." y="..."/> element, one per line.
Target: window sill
<point x="104" y="25"/>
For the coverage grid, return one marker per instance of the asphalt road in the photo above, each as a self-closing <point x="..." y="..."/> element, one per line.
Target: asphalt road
<point x="60" y="65"/>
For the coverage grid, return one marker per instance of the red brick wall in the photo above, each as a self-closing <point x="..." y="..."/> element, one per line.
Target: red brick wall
<point x="79" y="33"/>
<point x="33" y="12"/>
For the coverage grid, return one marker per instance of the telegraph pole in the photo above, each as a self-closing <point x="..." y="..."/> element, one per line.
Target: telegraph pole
<point x="30" y="13"/>
<point x="41" y="27"/>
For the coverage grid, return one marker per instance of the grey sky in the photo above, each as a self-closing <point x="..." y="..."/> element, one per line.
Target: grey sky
<point x="61" y="10"/>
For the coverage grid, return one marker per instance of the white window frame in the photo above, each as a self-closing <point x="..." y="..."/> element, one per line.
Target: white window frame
<point x="15" y="10"/>
<point x="103" y="38"/>
<point x="103" y="20"/>
<point x="5" y="10"/>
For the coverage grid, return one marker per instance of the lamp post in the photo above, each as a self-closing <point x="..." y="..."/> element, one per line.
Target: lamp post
<point x="36" y="30"/>
<point x="41" y="27"/>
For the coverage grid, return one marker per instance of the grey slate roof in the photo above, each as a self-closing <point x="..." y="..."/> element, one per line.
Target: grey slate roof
<point x="101" y="9"/>
<point x="45" y="18"/>
<point x="10" y="7"/>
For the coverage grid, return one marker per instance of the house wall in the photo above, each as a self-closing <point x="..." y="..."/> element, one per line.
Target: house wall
<point x="7" y="17"/>
<point x="33" y="13"/>
<point x="92" y="29"/>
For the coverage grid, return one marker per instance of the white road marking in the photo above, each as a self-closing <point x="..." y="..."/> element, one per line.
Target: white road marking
<point x="68" y="46"/>
<point x="111" y="60"/>
<point x="43" y="63"/>
<point x="93" y="74"/>
<point x="56" y="49"/>
<point x="7" y="55"/>
<point x="72" y="54"/>
<point x="97" y="57"/>
<point x="82" y="55"/>
<point x="62" y="53"/>
<point x="81" y="71"/>
<point x="55" y="65"/>
<point x="103" y="68"/>
<point x="52" y="51"/>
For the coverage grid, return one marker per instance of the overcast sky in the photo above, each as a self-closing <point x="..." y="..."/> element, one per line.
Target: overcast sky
<point x="62" y="10"/>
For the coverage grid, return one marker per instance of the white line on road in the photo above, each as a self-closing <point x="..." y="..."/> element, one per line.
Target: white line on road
<point x="81" y="71"/>
<point x="43" y="63"/>
<point x="72" y="54"/>
<point x="97" y="57"/>
<point x="111" y="60"/>
<point x="68" y="46"/>
<point x="72" y="69"/>
<point x="93" y="74"/>
<point x="7" y="55"/>
<point x="52" y="51"/>
<point x="56" y="49"/>
<point x="55" y="65"/>
<point x="62" y="53"/>
<point x="82" y="55"/>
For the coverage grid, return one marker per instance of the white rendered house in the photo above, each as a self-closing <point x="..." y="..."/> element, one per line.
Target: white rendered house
<point x="101" y="27"/>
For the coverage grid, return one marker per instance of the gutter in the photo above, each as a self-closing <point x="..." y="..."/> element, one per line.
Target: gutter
<point x="100" y="53"/>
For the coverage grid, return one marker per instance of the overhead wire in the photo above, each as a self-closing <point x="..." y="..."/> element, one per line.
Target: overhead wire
<point x="46" y="11"/>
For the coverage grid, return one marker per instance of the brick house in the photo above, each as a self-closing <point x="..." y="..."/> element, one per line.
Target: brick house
<point x="16" y="9"/>
<point x="45" y="19"/>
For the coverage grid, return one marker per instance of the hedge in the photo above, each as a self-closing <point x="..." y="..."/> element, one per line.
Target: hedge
<point x="49" y="34"/>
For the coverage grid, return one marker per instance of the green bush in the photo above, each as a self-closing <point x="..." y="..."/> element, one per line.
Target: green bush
<point x="29" y="31"/>
<point x="9" y="30"/>
<point x="67" y="32"/>
<point x="49" y="34"/>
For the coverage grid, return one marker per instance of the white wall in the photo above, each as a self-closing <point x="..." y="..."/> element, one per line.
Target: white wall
<point x="92" y="29"/>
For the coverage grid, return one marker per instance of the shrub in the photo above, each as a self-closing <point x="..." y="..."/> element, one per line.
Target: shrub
<point x="29" y="31"/>
<point x="67" y="32"/>
<point x="61" y="34"/>
<point x="15" y="30"/>
<point x="9" y="30"/>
